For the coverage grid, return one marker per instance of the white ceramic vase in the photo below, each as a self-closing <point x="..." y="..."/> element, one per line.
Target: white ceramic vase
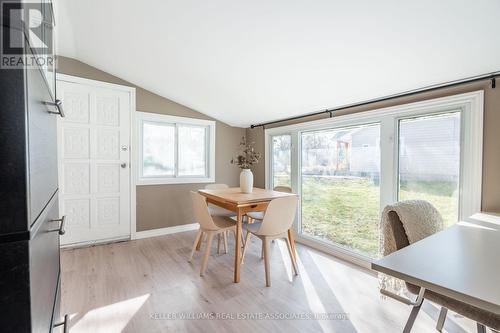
<point x="246" y="181"/>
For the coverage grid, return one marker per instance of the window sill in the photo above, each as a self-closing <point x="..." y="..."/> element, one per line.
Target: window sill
<point x="173" y="181"/>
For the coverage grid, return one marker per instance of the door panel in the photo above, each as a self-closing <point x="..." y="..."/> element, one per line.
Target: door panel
<point x="42" y="141"/>
<point x="281" y="160"/>
<point x="429" y="162"/>
<point x="44" y="268"/>
<point x="94" y="141"/>
<point x="340" y="173"/>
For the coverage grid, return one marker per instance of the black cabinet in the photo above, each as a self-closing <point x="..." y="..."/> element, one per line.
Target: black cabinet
<point x="30" y="225"/>
<point x="42" y="144"/>
<point x="44" y="266"/>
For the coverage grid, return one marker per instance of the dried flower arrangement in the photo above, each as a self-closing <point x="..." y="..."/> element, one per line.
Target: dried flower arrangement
<point x="246" y="156"/>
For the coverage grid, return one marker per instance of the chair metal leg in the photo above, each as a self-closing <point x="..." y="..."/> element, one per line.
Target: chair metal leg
<point x="210" y="237"/>
<point x="481" y="328"/>
<point x="195" y="245"/>
<point x="441" y="319"/>
<point x="411" y="319"/>
<point x="414" y="311"/>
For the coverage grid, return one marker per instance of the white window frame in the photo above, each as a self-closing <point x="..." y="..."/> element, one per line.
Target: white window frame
<point x="147" y="117"/>
<point x="471" y="106"/>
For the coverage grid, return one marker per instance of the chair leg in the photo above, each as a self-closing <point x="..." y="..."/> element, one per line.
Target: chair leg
<point x="411" y="318"/>
<point x="441" y="319"/>
<point x="481" y="328"/>
<point x="198" y="246"/>
<point x="245" y="246"/>
<point x="292" y="258"/>
<point x="210" y="237"/>
<point x="195" y="244"/>
<point x="218" y="244"/>
<point x="224" y="235"/>
<point x="265" y="247"/>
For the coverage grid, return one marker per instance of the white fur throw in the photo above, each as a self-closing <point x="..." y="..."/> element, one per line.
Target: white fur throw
<point x="420" y="219"/>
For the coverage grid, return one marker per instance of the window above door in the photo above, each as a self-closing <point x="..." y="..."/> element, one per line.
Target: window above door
<point x="174" y="150"/>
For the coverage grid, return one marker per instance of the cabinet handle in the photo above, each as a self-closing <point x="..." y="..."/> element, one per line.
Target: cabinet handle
<point x="64" y="323"/>
<point x="61" y="230"/>
<point x="58" y="105"/>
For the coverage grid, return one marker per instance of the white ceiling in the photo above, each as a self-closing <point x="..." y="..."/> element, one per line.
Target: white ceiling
<point x="246" y="62"/>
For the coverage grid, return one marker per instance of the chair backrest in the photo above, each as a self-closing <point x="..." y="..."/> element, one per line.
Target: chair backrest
<point x="285" y="189"/>
<point x="412" y="220"/>
<point x="398" y="231"/>
<point x="279" y="216"/>
<point x="201" y="213"/>
<point x="216" y="186"/>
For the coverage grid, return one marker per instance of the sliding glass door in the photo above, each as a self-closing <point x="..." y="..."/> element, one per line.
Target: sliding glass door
<point x="281" y="160"/>
<point x="348" y="168"/>
<point x="340" y="178"/>
<point x="429" y="162"/>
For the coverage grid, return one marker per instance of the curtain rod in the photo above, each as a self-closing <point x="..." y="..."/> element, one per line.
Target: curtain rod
<point x="490" y="76"/>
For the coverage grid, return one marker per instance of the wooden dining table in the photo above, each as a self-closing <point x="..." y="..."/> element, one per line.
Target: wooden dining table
<point x="241" y="203"/>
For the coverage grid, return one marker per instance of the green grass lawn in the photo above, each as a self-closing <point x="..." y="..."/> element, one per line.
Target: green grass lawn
<point x="346" y="211"/>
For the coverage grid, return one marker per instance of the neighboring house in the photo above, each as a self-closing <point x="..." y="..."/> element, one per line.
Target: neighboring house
<point x="423" y="146"/>
<point x="356" y="152"/>
<point x="365" y="150"/>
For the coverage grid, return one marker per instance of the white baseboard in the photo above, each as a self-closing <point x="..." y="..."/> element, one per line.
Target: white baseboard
<point x="94" y="242"/>
<point x="165" y="231"/>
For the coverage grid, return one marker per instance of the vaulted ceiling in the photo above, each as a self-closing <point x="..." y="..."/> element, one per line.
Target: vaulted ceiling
<point x="245" y="62"/>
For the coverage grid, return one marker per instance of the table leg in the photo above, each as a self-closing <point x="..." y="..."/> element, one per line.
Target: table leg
<point x="292" y="243"/>
<point x="237" y="249"/>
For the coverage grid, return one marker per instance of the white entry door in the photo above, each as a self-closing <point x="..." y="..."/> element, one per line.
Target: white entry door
<point x="94" y="160"/>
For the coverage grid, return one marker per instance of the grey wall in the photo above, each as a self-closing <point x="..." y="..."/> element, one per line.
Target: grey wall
<point x="491" y="137"/>
<point x="160" y="206"/>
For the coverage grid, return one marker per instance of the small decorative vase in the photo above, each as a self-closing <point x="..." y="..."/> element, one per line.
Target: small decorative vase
<point x="246" y="181"/>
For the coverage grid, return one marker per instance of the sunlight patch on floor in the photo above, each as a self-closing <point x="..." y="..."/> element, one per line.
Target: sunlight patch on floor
<point x="285" y="256"/>
<point x="313" y="299"/>
<point x="112" y="318"/>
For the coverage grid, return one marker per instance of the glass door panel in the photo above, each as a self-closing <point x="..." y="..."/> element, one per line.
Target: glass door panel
<point x="340" y="173"/>
<point x="282" y="160"/>
<point x="429" y="162"/>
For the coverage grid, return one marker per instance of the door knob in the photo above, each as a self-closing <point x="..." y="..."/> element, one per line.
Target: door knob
<point x="123" y="165"/>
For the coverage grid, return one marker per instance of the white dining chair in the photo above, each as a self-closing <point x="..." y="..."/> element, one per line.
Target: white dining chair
<point x="278" y="219"/>
<point x="260" y="215"/>
<point x="219" y="211"/>
<point x="209" y="225"/>
<point x="216" y="210"/>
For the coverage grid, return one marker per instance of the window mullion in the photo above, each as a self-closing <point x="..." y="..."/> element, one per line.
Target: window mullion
<point x="176" y="151"/>
<point x="388" y="161"/>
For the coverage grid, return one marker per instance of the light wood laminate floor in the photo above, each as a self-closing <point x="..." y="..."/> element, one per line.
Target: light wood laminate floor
<point x="141" y="286"/>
